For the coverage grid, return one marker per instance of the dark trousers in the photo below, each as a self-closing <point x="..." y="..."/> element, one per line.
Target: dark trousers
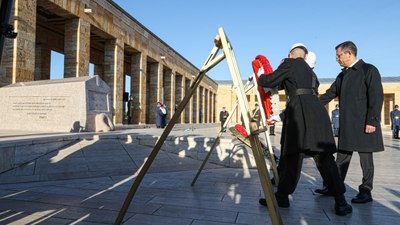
<point x="272" y="129"/>
<point x="336" y="132"/>
<point x="396" y="131"/>
<point x="290" y="169"/>
<point x="367" y="166"/>
<point x="222" y="124"/>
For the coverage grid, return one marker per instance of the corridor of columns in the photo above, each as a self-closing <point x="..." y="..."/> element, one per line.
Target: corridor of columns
<point x="131" y="59"/>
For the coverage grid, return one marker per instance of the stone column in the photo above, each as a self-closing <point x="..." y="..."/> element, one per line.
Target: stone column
<point x="98" y="70"/>
<point x="201" y="108"/>
<point x="210" y="106"/>
<point x="42" y="62"/>
<point x="114" y="76"/>
<point x="167" y="92"/>
<point x="206" y="105"/>
<point x="191" y="103"/>
<point x="210" y="103"/>
<point x="138" y="87"/>
<point x="18" y="59"/>
<point x="214" y="111"/>
<point x="178" y="92"/>
<point x="188" y="106"/>
<point x="197" y="105"/>
<point x="183" y="86"/>
<point x="76" y="48"/>
<point x="173" y="91"/>
<point x="155" y="92"/>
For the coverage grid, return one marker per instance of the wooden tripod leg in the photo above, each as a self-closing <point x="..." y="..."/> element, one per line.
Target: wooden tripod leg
<point x="214" y="144"/>
<point x="211" y="61"/>
<point x="265" y="180"/>
<point x="271" y="156"/>
<point x="255" y="143"/>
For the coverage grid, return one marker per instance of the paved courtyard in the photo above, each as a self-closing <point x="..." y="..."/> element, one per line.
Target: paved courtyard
<point x="221" y="195"/>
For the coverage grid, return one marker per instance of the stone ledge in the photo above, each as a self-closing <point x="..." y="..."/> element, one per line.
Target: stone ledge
<point x="18" y="158"/>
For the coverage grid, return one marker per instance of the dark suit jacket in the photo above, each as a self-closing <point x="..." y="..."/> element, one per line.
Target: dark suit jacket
<point x="223" y="115"/>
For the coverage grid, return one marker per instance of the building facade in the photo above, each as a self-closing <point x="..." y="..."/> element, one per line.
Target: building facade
<point x="101" y="33"/>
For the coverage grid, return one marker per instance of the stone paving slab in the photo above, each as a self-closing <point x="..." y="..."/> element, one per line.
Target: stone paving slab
<point x="221" y="196"/>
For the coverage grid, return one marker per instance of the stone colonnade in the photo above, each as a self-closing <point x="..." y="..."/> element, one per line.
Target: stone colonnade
<point x="227" y="98"/>
<point x="103" y="34"/>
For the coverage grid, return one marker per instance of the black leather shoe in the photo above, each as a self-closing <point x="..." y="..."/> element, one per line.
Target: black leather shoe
<point x="283" y="200"/>
<point x="283" y="203"/>
<point x="343" y="210"/>
<point x="324" y="191"/>
<point x="362" y="197"/>
<point x="263" y="202"/>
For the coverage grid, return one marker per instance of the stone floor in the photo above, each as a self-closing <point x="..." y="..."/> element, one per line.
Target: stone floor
<point x="221" y="196"/>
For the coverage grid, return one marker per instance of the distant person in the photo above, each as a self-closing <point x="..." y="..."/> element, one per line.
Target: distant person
<point x="271" y="126"/>
<point x="359" y="89"/>
<point x="395" y="121"/>
<point x="130" y="109"/>
<point x="223" y="115"/>
<point x="335" y="120"/>
<point x="256" y="115"/>
<point x="161" y="119"/>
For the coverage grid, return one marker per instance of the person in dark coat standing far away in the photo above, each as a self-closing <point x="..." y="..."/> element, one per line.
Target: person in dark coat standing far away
<point x="360" y="93"/>
<point x="161" y="116"/>
<point x="395" y="121"/>
<point x="223" y="115"/>
<point x="306" y="129"/>
<point x="335" y="120"/>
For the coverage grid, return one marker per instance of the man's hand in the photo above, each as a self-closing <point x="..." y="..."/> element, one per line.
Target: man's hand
<point x="369" y="129"/>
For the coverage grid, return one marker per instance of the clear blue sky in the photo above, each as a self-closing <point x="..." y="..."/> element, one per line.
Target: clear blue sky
<point x="271" y="27"/>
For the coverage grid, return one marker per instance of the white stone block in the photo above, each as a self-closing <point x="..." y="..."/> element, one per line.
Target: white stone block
<point x="61" y="105"/>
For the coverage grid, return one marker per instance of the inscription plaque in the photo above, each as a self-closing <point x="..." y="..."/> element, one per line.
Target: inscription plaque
<point x="60" y="105"/>
<point x="38" y="107"/>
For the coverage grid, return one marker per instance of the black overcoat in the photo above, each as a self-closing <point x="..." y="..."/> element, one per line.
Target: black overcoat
<point x="306" y="124"/>
<point x="360" y="94"/>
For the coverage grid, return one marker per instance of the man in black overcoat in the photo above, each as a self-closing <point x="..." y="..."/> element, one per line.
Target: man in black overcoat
<point x="335" y="120"/>
<point x="256" y="115"/>
<point x="306" y="129"/>
<point x="395" y="121"/>
<point x="360" y="93"/>
<point x="223" y="115"/>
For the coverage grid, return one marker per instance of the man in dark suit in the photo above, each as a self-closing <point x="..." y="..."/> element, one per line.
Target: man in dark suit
<point x="256" y="115"/>
<point x="335" y="120"/>
<point x="223" y="115"/>
<point x="360" y="93"/>
<point x="306" y="129"/>
<point x="395" y="121"/>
